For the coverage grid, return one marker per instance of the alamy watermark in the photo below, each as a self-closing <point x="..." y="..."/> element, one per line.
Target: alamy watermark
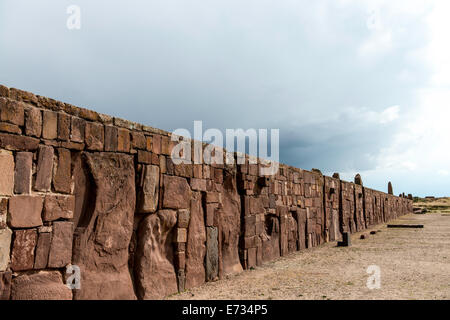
<point x="374" y="280"/>
<point x="74" y="19"/>
<point x="216" y="152"/>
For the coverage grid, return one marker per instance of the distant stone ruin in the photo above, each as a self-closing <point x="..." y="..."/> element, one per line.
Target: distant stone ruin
<point x="85" y="194"/>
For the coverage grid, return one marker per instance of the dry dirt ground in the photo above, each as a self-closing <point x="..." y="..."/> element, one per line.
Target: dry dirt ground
<point x="414" y="264"/>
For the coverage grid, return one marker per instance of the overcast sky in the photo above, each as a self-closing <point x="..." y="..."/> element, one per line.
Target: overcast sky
<point x="354" y="86"/>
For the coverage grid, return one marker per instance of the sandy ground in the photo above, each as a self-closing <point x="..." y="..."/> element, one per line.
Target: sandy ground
<point x="414" y="264"/>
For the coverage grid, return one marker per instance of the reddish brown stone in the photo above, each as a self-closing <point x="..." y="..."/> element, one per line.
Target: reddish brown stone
<point x="12" y="111"/>
<point x="42" y="250"/>
<point x="18" y="143"/>
<point x="3" y="212"/>
<point x="94" y="136"/>
<point x="50" y="125"/>
<point x="4" y="91"/>
<point x="144" y="157"/>
<point x="62" y="180"/>
<point x="22" y="256"/>
<point x="195" y="247"/>
<point x="156" y="144"/>
<point x="123" y="140"/>
<point x="138" y="140"/>
<point x="148" y="143"/>
<point x="6" y="173"/>
<point x="111" y="134"/>
<point x="5" y="285"/>
<point x="148" y="192"/>
<point x="184" y="216"/>
<point x="44" y="169"/>
<point x="78" y="128"/>
<point x="177" y="193"/>
<point x="33" y="122"/>
<point x="61" y="248"/>
<point x="155" y="272"/>
<point x="63" y="126"/>
<point x="58" y="206"/>
<point x="11" y="128"/>
<point x="198" y="184"/>
<point x="25" y="211"/>
<point x="104" y="230"/>
<point x="43" y="285"/>
<point x="23" y="172"/>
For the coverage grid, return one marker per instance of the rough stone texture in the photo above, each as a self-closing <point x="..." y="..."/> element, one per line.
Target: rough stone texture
<point x="50" y="125"/>
<point x="111" y="134"/>
<point x="61" y="246"/>
<point x="212" y="254"/>
<point x="42" y="250"/>
<point x="44" y="169"/>
<point x="22" y="256"/>
<point x="5" y="244"/>
<point x="5" y="285"/>
<point x="33" y="122"/>
<point x="104" y="229"/>
<point x="23" y="172"/>
<point x="18" y="143"/>
<point x="63" y="126"/>
<point x="94" y="136"/>
<point x="62" y="180"/>
<point x="7" y="173"/>
<point x="58" y="206"/>
<point x="25" y="211"/>
<point x="155" y="273"/>
<point x="77" y="130"/>
<point x="44" y="285"/>
<point x="12" y="111"/>
<point x="3" y="212"/>
<point x="195" y="247"/>
<point x="177" y="194"/>
<point x="148" y="189"/>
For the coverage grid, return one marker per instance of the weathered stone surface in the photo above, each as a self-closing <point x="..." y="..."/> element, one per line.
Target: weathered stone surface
<point x="50" y="125"/>
<point x="123" y="140"/>
<point x="94" y="136"/>
<point x="12" y="111"/>
<point x="138" y="140"/>
<point x="111" y="134"/>
<point x="9" y="127"/>
<point x="77" y="130"/>
<point x="5" y="285"/>
<point x="23" y="172"/>
<point x="42" y="250"/>
<point x="177" y="193"/>
<point x="25" y="211"/>
<point x="58" y="206"/>
<point x="33" y="122"/>
<point x="195" y="247"/>
<point x="148" y="189"/>
<point x="18" y="143"/>
<point x="184" y="216"/>
<point x="63" y="126"/>
<point x="155" y="273"/>
<point x="44" y="169"/>
<point x="22" y="256"/>
<point x="3" y="212"/>
<point x="7" y="173"/>
<point x="43" y="285"/>
<point x="61" y="246"/>
<point x="5" y="244"/>
<point x="105" y="226"/>
<point x="212" y="254"/>
<point x="62" y="180"/>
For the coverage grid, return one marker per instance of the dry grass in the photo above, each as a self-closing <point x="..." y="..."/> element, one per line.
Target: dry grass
<point x="415" y="264"/>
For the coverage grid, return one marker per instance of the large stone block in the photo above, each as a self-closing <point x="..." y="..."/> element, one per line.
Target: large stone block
<point x="148" y="189"/>
<point x="62" y="180"/>
<point x="61" y="247"/>
<point x="94" y="136"/>
<point x="12" y="111"/>
<point x="42" y="250"/>
<point x="22" y="256"/>
<point x="43" y="285"/>
<point x="23" y="172"/>
<point x="18" y="143"/>
<point x="33" y="122"/>
<point x="25" y="211"/>
<point x="123" y="140"/>
<point x="77" y="130"/>
<point x="105" y="226"/>
<point x="58" y="206"/>
<point x="5" y="245"/>
<point x="212" y="254"/>
<point x="7" y="173"/>
<point x="44" y="169"/>
<point x="50" y="125"/>
<point x="177" y="193"/>
<point x="111" y="134"/>
<point x="155" y="273"/>
<point x="63" y="126"/>
<point x="3" y="212"/>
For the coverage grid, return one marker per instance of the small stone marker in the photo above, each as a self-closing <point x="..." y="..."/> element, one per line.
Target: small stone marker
<point x="346" y="240"/>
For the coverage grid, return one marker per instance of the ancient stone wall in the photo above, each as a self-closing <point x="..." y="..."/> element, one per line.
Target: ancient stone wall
<point x="102" y="194"/>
